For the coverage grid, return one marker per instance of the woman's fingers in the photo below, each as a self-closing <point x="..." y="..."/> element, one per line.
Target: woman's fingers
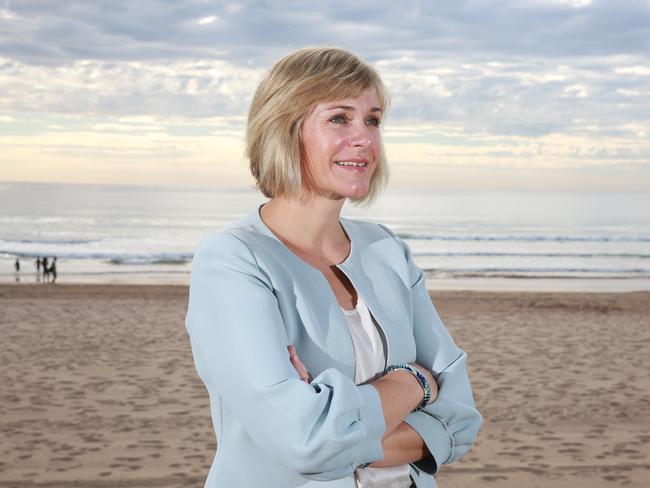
<point x="297" y="364"/>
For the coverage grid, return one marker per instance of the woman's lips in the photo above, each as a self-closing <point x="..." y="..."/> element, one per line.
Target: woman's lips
<point x="358" y="165"/>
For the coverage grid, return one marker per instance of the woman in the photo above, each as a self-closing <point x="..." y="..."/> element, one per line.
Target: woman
<point x="325" y="360"/>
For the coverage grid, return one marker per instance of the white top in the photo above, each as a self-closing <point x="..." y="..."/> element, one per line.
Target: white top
<point x="369" y="361"/>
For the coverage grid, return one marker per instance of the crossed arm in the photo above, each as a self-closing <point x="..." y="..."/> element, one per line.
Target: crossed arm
<point x="400" y="393"/>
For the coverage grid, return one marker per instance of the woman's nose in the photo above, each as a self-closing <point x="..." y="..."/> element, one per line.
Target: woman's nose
<point x="360" y="135"/>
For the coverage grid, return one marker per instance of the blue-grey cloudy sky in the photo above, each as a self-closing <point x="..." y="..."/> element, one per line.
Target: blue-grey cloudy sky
<point x="485" y="94"/>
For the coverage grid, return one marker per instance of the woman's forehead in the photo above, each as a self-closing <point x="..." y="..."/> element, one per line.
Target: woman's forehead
<point x="367" y="99"/>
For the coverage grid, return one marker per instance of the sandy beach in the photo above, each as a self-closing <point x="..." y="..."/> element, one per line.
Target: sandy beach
<point x="98" y="388"/>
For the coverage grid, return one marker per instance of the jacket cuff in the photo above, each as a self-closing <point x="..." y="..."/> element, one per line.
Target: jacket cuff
<point x="435" y="436"/>
<point x="371" y="415"/>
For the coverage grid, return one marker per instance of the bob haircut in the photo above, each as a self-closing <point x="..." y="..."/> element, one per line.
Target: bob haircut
<point x="285" y="96"/>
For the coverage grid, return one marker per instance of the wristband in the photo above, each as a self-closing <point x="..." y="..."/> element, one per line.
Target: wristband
<point x="421" y="379"/>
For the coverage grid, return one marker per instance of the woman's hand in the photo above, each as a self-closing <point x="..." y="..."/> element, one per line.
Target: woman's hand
<point x="400" y="392"/>
<point x="403" y="444"/>
<point x="298" y="366"/>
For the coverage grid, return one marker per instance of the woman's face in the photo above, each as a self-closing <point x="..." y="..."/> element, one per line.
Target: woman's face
<point x="342" y="144"/>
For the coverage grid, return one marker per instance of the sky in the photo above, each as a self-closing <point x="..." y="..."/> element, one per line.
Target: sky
<point x="510" y="94"/>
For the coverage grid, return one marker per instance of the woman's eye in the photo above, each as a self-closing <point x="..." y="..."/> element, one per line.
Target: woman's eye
<point x="373" y="121"/>
<point x="338" y="119"/>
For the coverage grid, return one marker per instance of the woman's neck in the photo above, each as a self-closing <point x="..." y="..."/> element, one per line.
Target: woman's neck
<point x="311" y="227"/>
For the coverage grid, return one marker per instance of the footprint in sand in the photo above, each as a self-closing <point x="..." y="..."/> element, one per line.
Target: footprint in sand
<point x="494" y="478"/>
<point x="615" y="477"/>
<point x="569" y="450"/>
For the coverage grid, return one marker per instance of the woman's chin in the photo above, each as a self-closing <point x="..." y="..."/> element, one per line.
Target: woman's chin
<point x="356" y="192"/>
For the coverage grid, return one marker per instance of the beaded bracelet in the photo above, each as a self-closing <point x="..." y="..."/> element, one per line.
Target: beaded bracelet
<point x="421" y="379"/>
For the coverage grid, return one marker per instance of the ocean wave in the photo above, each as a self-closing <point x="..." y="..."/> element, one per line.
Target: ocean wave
<point x="541" y="271"/>
<point x="534" y="276"/>
<point x="112" y="258"/>
<point x="534" y="254"/>
<point x="65" y="242"/>
<point x="151" y="259"/>
<point x="124" y="272"/>
<point x="528" y="238"/>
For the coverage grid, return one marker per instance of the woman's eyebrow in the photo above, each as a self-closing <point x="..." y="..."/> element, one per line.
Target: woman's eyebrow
<point x="351" y="108"/>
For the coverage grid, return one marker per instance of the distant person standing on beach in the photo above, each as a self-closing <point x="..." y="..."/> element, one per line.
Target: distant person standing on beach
<point x="53" y="270"/>
<point x="326" y="364"/>
<point x="38" y="269"/>
<point x="17" y="265"/>
<point x="46" y="270"/>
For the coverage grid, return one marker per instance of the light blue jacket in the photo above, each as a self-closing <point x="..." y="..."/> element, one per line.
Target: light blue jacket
<point x="250" y="297"/>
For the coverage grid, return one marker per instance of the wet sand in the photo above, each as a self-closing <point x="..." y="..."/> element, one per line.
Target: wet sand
<point x="98" y="388"/>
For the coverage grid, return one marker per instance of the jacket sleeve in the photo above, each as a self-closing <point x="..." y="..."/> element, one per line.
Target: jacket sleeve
<point x="322" y="430"/>
<point x="450" y="424"/>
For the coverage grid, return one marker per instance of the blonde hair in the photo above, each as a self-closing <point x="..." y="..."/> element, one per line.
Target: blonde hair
<point x="292" y="87"/>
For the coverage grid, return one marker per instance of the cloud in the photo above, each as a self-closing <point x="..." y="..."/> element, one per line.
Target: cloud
<point x="258" y="31"/>
<point x="189" y="88"/>
<point x="510" y="82"/>
<point x="634" y="70"/>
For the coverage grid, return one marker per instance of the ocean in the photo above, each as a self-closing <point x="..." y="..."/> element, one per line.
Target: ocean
<point x="462" y="239"/>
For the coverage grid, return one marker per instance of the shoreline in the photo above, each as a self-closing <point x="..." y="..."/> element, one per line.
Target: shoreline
<point x="487" y="284"/>
<point x="160" y="290"/>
